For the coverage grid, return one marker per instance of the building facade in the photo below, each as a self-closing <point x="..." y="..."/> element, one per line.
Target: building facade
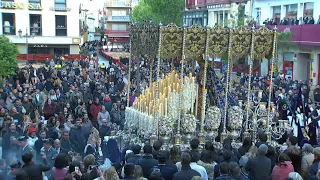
<point x="53" y="24"/>
<point x="118" y="21"/>
<point x="215" y="12"/>
<point x="300" y="60"/>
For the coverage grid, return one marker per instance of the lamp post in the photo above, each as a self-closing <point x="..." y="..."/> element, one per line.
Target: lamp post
<point x="27" y="36"/>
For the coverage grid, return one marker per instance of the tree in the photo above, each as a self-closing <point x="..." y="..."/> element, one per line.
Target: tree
<point x="8" y="56"/>
<point x="284" y="43"/>
<point x="164" y="11"/>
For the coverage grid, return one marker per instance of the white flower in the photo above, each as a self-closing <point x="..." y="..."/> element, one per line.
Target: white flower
<point x="213" y="118"/>
<point x="189" y="123"/>
<point x="166" y="126"/>
<point x="235" y="117"/>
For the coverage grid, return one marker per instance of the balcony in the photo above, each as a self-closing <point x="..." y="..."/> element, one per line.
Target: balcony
<point x="119" y="18"/>
<point x="117" y="5"/>
<point x="9" y="30"/>
<point x="307" y="34"/>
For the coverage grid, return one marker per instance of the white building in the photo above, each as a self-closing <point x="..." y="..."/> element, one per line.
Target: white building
<point x="278" y="9"/>
<point x="227" y="14"/>
<point x="300" y="61"/>
<point x="55" y="24"/>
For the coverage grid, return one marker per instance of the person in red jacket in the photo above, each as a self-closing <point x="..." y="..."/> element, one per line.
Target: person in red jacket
<point x="94" y="111"/>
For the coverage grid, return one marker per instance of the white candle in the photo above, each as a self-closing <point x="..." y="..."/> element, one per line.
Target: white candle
<point x="166" y="107"/>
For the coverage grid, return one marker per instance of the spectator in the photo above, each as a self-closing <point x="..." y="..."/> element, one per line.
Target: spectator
<point x="166" y="171"/>
<point x="138" y="174"/>
<point x="207" y="163"/>
<point x="34" y="171"/>
<point x="318" y="22"/>
<point x="111" y="151"/>
<point x="235" y="171"/>
<point x="294" y="153"/>
<point x="307" y="159"/>
<point x="136" y="150"/>
<point x="77" y="138"/>
<point x="129" y="171"/>
<point x="259" y="167"/>
<point x="147" y="162"/>
<point x="156" y="148"/>
<point x="224" y="169"/>
<point x="103" y="115"/>
<point x="247" y="143"/>
<point x="311" y="20"/>
<point x="110" y="173"/>
<point x="283" y="168"/>
<point x="59" y="169"/>
<point x="313" y="169"/>
<point x="186" y="173"/>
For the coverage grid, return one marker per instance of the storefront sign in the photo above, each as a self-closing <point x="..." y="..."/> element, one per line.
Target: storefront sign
<point x="76" y="40"/>
<point x="305" y="49"/>
<point x="219" y="6"/>
<point x="16" y="5"/>
<point x="40" y="46"/>
<point x="60" y="9"/>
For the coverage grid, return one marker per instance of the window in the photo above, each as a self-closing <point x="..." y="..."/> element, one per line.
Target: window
<point x="60" y="4"/>
<point x="276" y="13"/>
<point x="61" y="25"/>
<point x="119" y="13"/>
<point x="291" y="11"/>
<point x="118" y="2"/>
<point x="117" y="27"/>
<point x="308" y="8"/>
<point x="35" y="24"/>
<point x="8" y="21"/>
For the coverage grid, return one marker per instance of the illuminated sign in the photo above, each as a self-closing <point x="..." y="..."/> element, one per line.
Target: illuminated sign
<point x="16" y="5"/>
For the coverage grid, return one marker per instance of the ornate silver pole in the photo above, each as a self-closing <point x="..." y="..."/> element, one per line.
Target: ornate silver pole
<point x="271" y="82"/>
<point x="178" y="136"/>
<point x="204" y="90"/>
<point x="224" y="132"/>
<point x="156" y="103"/>
<point x="246" y="133"/>
<point x="129" y="72"/>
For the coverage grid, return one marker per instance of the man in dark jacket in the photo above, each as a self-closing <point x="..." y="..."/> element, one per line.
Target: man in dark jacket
<point x="186" y="172"/>
<point x="224" y="172"/>
<point x="136" y="150"/>
<point x="33" y="170"/>
<point x="166" y="171"/>
<point x="147" y="162"/>
<point x="77" y="138"/>
<point x="7" y="143"/>
<point x="259" y="167"/>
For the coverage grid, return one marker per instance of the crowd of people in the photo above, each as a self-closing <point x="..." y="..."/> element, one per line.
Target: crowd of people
<point x="60" y="121"/>
<point x="292" y="20"/>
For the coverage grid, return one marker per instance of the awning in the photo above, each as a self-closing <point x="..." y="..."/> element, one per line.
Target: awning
<point x="118" y="35"/>
<point x="118" y="39"/>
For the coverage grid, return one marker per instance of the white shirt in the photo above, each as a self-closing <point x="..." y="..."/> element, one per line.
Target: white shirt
<point x="201" y="170"/>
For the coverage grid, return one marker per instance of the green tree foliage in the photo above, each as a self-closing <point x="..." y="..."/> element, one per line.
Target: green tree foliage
<point x="8" y="56"/>
<point x="164" y="11"/>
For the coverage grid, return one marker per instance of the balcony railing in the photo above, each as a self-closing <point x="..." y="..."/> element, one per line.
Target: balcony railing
<point x="119" y="18"/>
<point x="36" y="31"/>
<point x="9" y="30"/>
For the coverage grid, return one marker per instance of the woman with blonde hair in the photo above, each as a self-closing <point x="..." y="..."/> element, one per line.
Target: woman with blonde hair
<point x="110" y="174"/>
<point x="138" y="174"/>
<point x="252" y="152"/>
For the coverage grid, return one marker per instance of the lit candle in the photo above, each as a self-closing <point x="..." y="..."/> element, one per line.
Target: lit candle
<point x="166" y="107"/>
<point x="260" y="94"/>
<point x="197" y="99"/>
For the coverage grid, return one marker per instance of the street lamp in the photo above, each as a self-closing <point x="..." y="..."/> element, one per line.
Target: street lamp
<point x="27" y="36"/>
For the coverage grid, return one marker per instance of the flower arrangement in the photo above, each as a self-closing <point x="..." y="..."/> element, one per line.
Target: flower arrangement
<point x="189" y="124"/>
<point x="235" y="117"/>
<point x="213" y="118"/>
<point x="173" y="105"/>
<point x="166" y="126"/>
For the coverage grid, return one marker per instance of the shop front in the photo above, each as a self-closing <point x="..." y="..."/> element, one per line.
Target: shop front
<point x="39" y="52"/>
